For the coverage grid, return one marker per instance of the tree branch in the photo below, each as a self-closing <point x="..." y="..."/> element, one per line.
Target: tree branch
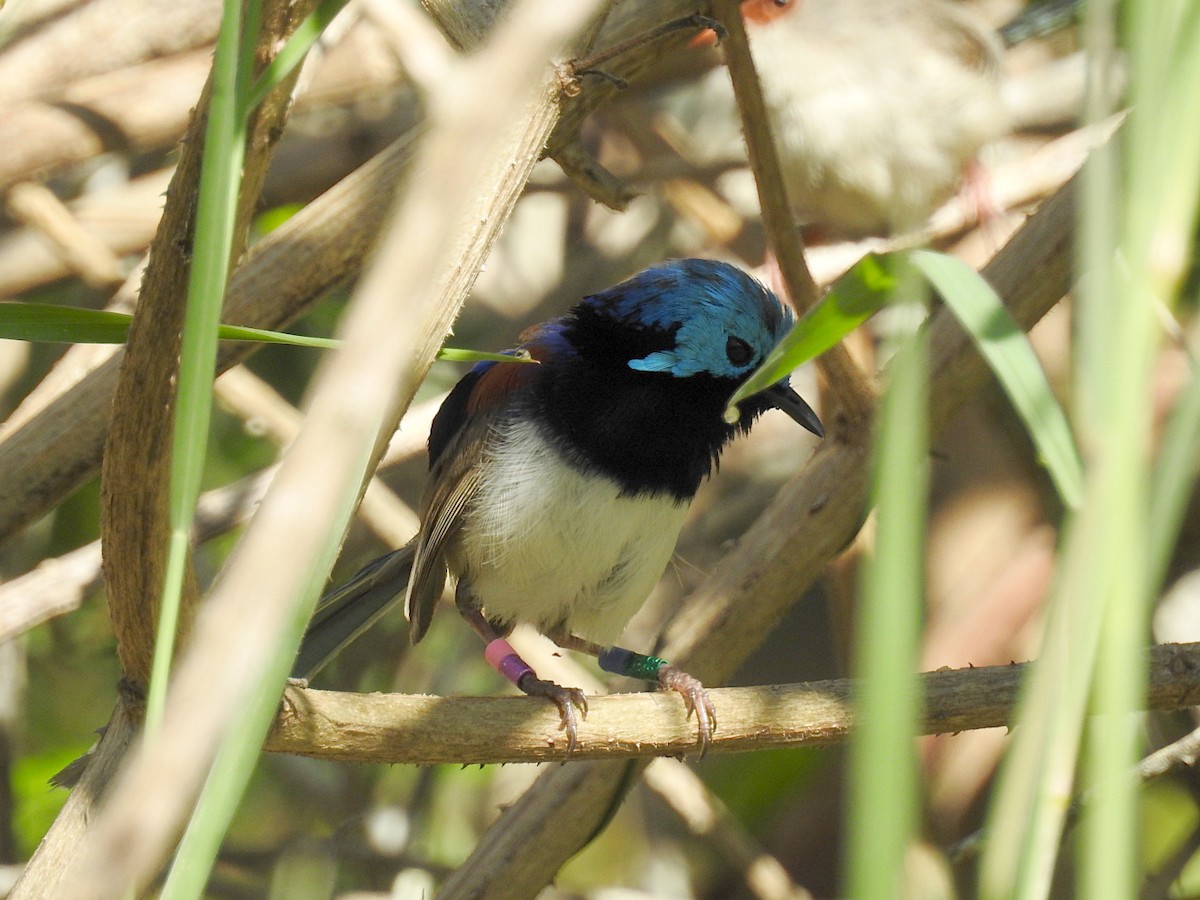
<point x="420" y="730"/>
<point x="137" y="458"/>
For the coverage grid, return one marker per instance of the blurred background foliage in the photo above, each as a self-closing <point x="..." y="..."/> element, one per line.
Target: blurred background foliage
<point x="308" y="827"/>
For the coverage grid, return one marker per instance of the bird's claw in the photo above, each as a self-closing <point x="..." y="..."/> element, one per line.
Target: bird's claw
<point x="566" y="699"/>
<point x="695" y="699"/>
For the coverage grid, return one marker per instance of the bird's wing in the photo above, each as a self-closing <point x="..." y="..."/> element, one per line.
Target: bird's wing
<point x="470" y="418"/>
<point x="455" y="478"/>
<point x="442" y="519"/>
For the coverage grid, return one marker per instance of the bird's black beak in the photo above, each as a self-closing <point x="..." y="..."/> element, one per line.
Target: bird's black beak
<point x="781" y="396"/>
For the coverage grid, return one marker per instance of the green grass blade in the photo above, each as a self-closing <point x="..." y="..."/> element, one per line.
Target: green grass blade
<point x="216" y="218"/>
<point x="1011" y="358"/>
<point x="234" y="764"/>
<point x="452" y="354"/>
<point x="262" y="336"/>
<point x="216" y="212"/>
<point x="883" y="809"/>
<point x="71" y="325"/>
<point x="853" y="299"/>
<point x="1033" y="790"/>
<point x="1155" y="216"/>
<point x="292" y="53"/>
<point x="61" y="324"/>
<point x="1173" y="477"/>
<point x="1037" y="778"/>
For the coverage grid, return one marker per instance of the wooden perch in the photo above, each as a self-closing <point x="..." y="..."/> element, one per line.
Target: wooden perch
<point x="421" y="730"/>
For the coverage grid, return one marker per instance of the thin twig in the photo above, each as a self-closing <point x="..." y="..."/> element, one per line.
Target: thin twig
<point x="573" y="70"/>
<point x="37" y="207"/>
<point x="855" y="398"/>
<point x="708" y="819"/>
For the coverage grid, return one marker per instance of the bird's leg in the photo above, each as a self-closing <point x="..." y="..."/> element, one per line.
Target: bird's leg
<point x="620" y="661"/>
<point x="504" y="659"/>
<point x="979" y="199"/>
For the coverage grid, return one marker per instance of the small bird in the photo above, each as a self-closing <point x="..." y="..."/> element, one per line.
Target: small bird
<point x="557" y="489"/>
<point x="877" y="106"/>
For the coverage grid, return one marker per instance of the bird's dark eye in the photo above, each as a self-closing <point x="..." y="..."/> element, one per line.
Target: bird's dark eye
<point x="738" y="351"/>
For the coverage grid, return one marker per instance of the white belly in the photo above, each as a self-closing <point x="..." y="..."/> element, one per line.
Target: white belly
<point x="548" y="546"/>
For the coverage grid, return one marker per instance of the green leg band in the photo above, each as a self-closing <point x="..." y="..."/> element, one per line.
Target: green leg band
<point x="620" y="661"/>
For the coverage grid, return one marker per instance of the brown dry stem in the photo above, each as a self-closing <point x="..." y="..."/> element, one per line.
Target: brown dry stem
<point x="136" y="476"/>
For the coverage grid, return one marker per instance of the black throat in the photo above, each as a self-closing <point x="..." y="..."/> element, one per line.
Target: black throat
<point x="651" y="432"/>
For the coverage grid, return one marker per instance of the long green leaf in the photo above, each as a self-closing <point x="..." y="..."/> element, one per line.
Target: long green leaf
<point x="883" y="810"/>
<point x="216" y="220"/>
<point x="71" y="325"/>
<point x="853" y="299"/>
<point x="216" y="213"/>
<point x="1012" y="360"/>
<point x="292" y="53"/>
<point x="61" y="324"/>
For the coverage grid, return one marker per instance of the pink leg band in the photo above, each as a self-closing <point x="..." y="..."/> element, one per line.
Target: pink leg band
<point x="503" y="658"/>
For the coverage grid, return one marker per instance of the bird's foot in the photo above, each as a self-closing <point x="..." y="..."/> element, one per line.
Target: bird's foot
<point x="568" y="700"/>
<point x="695" y="699"/>
<point x="505" y="660"/>
<point x="620" y="661"/>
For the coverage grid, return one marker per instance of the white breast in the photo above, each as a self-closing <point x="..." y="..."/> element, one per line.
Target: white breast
<point x="549" y="546"/>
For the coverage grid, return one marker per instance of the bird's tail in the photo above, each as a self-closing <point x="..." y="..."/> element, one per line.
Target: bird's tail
<point x="349" y="610"/>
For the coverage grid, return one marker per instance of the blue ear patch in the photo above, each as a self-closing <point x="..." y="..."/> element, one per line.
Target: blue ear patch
<point x="662" y="361"/>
